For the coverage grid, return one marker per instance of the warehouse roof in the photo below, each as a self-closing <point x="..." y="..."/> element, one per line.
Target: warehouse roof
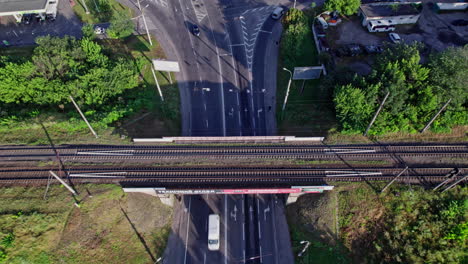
<point x="390" y="9"/>
<point x="11" y="6"/>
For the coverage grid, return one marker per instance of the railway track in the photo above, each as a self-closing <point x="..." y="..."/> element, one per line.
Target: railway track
<point x="233" y="176"/>
<point x="175" y="152"/>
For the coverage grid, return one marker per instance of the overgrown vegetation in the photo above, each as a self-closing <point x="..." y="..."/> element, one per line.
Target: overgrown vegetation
<point x="34" y="230"/>
<point x="100" y="11"/>
<point x="406" y="224"/>
<point x="110" y="81"/>
<point x="309" y="109"/>
<point x="417" y="92"/>
<point x="345" y="7"/>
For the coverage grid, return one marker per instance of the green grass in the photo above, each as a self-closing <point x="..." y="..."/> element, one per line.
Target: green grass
<point x="318" y="252"/>
<point x="102" y="13"/>
<point x="309" y="110"/>
<point x="34" y="230"/>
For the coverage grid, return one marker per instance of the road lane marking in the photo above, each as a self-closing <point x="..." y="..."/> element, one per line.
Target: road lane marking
<point x="273" y="220"/>
<point x="258" y="214"/>
<point x="223" y="110"/>
<point x="261" y="258"/>
<point x="225" y="229"/>
<point x="188" y="223"/>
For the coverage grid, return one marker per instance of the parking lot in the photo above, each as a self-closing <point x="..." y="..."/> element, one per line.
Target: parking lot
<point x="436" y="31"/>
<point x="17" y="34"/>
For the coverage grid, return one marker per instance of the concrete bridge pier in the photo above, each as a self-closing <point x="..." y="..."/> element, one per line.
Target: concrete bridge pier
<point x="167" y="199"/>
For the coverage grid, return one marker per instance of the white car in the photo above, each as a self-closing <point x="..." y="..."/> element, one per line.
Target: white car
<point x="394" y="37"/>
<point x="99" y="30"/>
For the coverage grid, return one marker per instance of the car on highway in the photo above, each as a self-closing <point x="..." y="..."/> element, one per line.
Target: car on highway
<point x="213" y="232"/>
<point x="277" y="13"/>
<point x="394" y="37"/>
<point x="195" y="30"/>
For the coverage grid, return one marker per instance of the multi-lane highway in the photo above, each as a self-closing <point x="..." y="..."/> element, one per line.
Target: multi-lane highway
<point x="253" y="230"/>
<point x="227" y="86"/>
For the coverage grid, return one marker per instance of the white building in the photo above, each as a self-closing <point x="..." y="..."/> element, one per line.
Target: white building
<point x="18" y="8"/>
<point x="378" y="17"/>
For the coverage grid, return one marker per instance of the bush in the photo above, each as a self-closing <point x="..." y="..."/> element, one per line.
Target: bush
<point x="121" y="26"/>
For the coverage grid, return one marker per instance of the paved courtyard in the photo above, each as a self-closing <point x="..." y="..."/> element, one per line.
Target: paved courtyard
<point x="18" y="34"/>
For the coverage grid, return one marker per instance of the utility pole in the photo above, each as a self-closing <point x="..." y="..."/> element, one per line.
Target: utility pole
<point x="455" y="183"/>
<point x="394" y="179"/>
<point x="436" y="115"/>
<point x="157" y="83"/>
<point x="142" y="10"/>
<point x="85" y="7"/>
<point x="63" y="183"/>
<point x="287" y="90"/>
<point x="377" y="113"/>
<point x="84" y="118"/>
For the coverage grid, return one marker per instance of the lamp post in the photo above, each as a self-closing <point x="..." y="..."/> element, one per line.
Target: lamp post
<point x="287" y="90"/>
<point x="142" y="10"/>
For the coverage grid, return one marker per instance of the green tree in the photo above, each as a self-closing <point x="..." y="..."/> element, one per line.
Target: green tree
<point x="58" y="57"/>
<point x="352" y="109"/>
<point x="345" y="7"/>
<point x="88" y="31"/>
<point x="121" y="26"/>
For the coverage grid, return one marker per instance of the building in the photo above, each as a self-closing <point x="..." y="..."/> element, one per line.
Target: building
<point x="18" y="8"/>
<point x="378" y="17"/>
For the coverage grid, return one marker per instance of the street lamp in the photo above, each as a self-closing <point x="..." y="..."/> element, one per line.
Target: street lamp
<point x="142" y="10"/>
<point x="287" y="90"/>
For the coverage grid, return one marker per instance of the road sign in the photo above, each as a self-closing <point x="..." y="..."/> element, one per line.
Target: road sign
<point x="307" y="73"/>
<point x="168" y="66"/>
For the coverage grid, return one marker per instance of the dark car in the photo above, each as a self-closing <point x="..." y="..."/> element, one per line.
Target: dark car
<point x="372" y="49"/>
<point x="195" y="30"/>
<point x="50" y="17"/>
<point x="460" y="22"/>
<point x="27" y="18"/>
<point x="354" y="49"/>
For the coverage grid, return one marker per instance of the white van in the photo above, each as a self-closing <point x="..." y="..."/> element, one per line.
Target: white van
<point x="213" y="232"/>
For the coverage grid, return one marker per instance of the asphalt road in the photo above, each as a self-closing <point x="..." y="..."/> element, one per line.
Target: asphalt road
<point x="227" y="85"/>
<point x="253" y="230"/>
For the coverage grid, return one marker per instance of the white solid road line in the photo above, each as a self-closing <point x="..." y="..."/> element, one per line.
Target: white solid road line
<point x="223" y="111"/>
<point x="274" y="228"/>
<point x="261" y="258"/>
<point x="225" y="229"/>
<point x="258" y="214"/>
<point x="188" y="224"/>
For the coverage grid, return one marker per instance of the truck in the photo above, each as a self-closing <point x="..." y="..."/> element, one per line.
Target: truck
<point x="213" y="232"/>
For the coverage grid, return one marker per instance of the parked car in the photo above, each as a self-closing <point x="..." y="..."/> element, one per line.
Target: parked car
<point x="50" y="17"/>
<point x="372" y="49"/>
<point x="27" y="18"/>
<point x="354" y="49"/>
<point x="394" y="37"/>
<point x="277" y="13"/>
<point x="460" y="22"/>
<point x="195" y="30"/>
<point x="99" y="30"/>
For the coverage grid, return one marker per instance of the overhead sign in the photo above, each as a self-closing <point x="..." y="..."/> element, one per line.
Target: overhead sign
<point x="294" y="189"/>
<point x="169" y="66"/>
<point x="307" y="73"/>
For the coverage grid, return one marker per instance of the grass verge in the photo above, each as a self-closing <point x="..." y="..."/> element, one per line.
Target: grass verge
<point x="309" y="110"/>
<point x="100" y="11"/>
<point x="105" y="229"/>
